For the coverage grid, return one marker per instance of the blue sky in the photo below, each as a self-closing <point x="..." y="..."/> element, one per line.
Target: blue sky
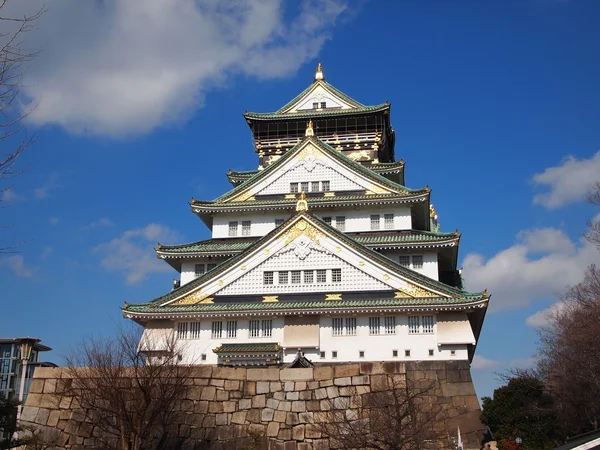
<point x="496" y="106"/>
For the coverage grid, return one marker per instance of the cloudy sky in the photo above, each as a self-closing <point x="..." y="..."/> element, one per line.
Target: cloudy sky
<point x="138" y="105"/>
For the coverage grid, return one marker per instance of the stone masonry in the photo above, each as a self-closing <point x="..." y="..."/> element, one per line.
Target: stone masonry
<point x="280" y="405"/>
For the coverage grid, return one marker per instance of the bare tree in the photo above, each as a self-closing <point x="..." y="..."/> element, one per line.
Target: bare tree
<point x="402" y="417"/>
<point x="14" y="58"/>
<point x="593" y="234"/>
<point x="131" y="394"/>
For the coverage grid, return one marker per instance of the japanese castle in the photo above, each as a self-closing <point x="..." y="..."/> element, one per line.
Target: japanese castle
<point x="321" y="255"/>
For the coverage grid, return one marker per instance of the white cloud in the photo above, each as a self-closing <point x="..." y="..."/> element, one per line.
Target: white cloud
<point x="132" y="254"/>
<point x="121" y="67"/>
<point x="482" y="363"/>
<point x="542" y="318"/>
<point x="53" y="220"/>
<point x="568" y="182"/>
<point x="9" y="195"/>
<point x="102" y="222"/>
<point x="16" y="263"/>
<point x="50" y="184"/>
<point x="541" y="265"/>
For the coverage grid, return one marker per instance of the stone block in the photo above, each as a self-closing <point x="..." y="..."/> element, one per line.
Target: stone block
<point x="296" y="374"/>
<point x="65" y="403"/>
<point x="275" y="444"/>
<point x="267" y="415"/>
<point x="341" y="402"/>
<point x="394" y="367"/>
<point x="452" y="389"/>
<point x="312" y="431"/>
<point x="263" y="387"/>
<point x="325" y="405"/>
<point x="288" y="386"/>
<point x="326" y="383"/>
<point x="321" y="444"/>
<point x="205" y="372"/>
<point x="229" y="406"/>
<point x="284" y="434"/>
<point x="65" y="415"/>
<point x="279" y="416"/>
<point x="266" y="374"/>
<point x="312" y="405"/>
<point x="292" y="419"/>
<point x="305" y="395"/>
<point x="346" y="370"/>
<point x="280" y="395"/>
<point x="275" y="386"/>
<point x="187" y="405"/>
<point x="235" y="394"/>
<point x="217" y="382"/>
<point x="42" y="416"/>
<point x="301" y="385"/>
<point x="322" y="372"/>
<point x="292" y="395"/>
<point x="259" y="401"/>
<point x="238" y="417"/>
<point x="53" y="418"/>
<point x="469" y="422"/>
<point x="272" y="403"/>
<point x="299" y="406"/>
<point x="320" y="393"/>
<point x="273" y="429"/>
<point x="346" y="391"/>
<point x="215" y="407"/>
<point x="332" y="392"/>
<point x="222" y="419"/>
<point x="245" y="403"/>
<point x="208" y="393"/>
<point x="201" y="381"/>
<point x="360" y="380"/>
<point x="298" y="433"/>
<point x="345" y="381"/>
<point x="37" y="386"/>
<point x="289" y="445"/>
<point x="230" y="373"/>
<point x="379" y="382"/>
<point x="304" y="446"/>
<point x="253" y="416"/>
<point x="72" y="427"/>
<point x="256" y="429"/>
<point x="194" y="392"/>
<point x="249" y="388"/>
<point x="231" y="385"/>
<point x="29" y="412"/>
<point x="284" y="406"/>
<point x="305" y="417"/>
<point x="47" y="372"/>
<point x="208" y="422"/>
<point x="313" y="384"/>
<point x="201" y="407"/>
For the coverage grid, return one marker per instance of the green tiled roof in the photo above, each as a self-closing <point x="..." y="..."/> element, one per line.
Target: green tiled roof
<point x="210" y="245"/>
<point x="316" y="113"/>
<point x="258" y="347"/>
<point x="295" y="305"/>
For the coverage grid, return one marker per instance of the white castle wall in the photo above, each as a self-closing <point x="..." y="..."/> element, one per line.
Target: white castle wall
<point x="430" y="260"/>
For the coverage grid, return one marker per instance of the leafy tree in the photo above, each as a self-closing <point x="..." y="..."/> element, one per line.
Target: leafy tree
<point x="522" y="408"/>
<point x="8" y="423"/>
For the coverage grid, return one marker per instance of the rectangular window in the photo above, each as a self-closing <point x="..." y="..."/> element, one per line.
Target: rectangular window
<point x="210" y="267"/>
<point x="203" y="356"/>
<point x="340" y="223"/>
<point x="361" y="353"/>
<point x="413" y="324"/>
<point x="427" y="324"/>
<point x="283" y="277"/>
<point x="375" y="219"/>
<point x="322" y="355"/>
<point x="388" y="221"/>
<point x="246" y="227"/>
<point x="315" y="105"/>
<point x="395" y="353"/>
<point x="323" y="105"/>
<point x="304" y="186"/>
<point x="231" y="329"/>
<point x="293" y="188"/>
<point x="233" y="228"/>
<point x="279" y="222"/>
<point x="267" y="277"/>
<point x="194" y="330"/>
<point x="374" y="325"/>
<point x="407" y="353"/>
<point x="390" y="325"/>
<point x="404" y="261"/>
<point x="267" y="328"/>
<point x="182" y="330"/>
<point x="188" y="330"/>
<point x="325" y="186"/>
<point x="334" y="354"/>
<point x="314" y="186"/>
<point x="338" y="326"/>
<point x="351" y="326"/>
<point x="254" y="328"/>
<point x="430" y="352"/>
<point x="309" y="276"/>
<point x="327" y="220"/>
<point x="452" y="352"/>
<point x="336" y="275"/>
<point x="296" y="275"/>
<point x="217" y="330"/>
<point x="199" y="269"/>
<point x="321" y="276"/>
<point x="417" y="261"/>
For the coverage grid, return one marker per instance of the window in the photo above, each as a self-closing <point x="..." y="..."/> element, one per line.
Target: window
<point x="217" y="330"/>
<point x="361" y="354"/>
<point x="315" y="105"/>
<point x="334" y="354"/>
<point x="428" y="324"/>
<point x="327" y="220"/>
<point x="203" y="356"/>
<point x="430" y="352"/>
<point x="246" y="227"/>
<point x="323" y="104"/>
<point x="194" y="330"/>
<point x="420" y="324"/>
<point x="322" y="355"/>
<point x="395" y="353"/>
<point x="452" y="352"/>
<point x="254" y="328"/>
<point x="404" y="261"/>
<point x="417" y="261"/>
<point x="375" y="222"/>
<point x="325" y="186"/>
<point x="293" y="188"/>
<point x="182" y="330"/>
<point x="338" y="326"/>
<point x="407" y="353"/>
<point x="188" y="330"/>
<point x="413" y="324"/>
<point x="231" y="329"/>
<point x="283" y="277"/>
<point x="390" y="325"/>
<point x="373" y="325"/>
<point x="308" y="276"/>
<point x="210" y="267"/>
<point x="279" y="222"/>
<point x="336" y="275"/>
<point x="321" y="276"/>
<point x="314" y="186"/>
<point x="340" y="223"/>
<point x="267" y="277"/>
<point x="351" y="326"/>
<point x="267" y="328"/>
<point x="199" y="269"/>
<point x="304" y="186"/>
<point x="296" y="275"/>
<point x="233" y="228"/>
<point x="388" y="221"/>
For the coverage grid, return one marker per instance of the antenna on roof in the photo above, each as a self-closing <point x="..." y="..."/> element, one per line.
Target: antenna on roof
<point x="319" y="74"/>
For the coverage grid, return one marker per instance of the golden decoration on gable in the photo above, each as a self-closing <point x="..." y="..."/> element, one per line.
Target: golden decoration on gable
<point x="333" y="296"/>
<point x="193" y="299"/>
<point x="220" y="282"/>
<point x="270" y="299"/>
<point x="415" y="292"/>
<point x="301" y="227"/>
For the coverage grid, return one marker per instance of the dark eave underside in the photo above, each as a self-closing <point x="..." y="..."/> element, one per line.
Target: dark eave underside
<point x="315" y="113"/>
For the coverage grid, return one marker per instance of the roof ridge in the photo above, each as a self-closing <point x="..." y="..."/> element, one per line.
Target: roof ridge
<point x="314" y="85"/>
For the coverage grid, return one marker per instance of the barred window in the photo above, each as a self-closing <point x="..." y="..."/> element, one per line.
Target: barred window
<point x="283" y="277"/>
<point x="390" y="325"/>
<point x="188" y="330"/>
<point x="268" y="277"/>
<point x="351" y="326"/>
<point x="296" y="276"/>
<point x="233" y="228"/>
<point x="246" y="227"/>
<point x="199" y="269"/>
<point x="417" y="261"/>
<point x="428" y="324"/>
<point x="321" y="276"/>
<point x="327" y="220"/>
<point x="254" y="327"/>
<point x="388" y="221"/>
<point x="304" y="186"/>
<point x="325" y="186"/>
<point x="194" y="330"/>
<point x="413" y="324"/>
<point x="323" y="105"/>
<point x="337" y="326"/>
<point x="374" y="325"/>
<point x="336" y="275"/>
<point x="182" y="330"/>
<point x="217" y="330"/>
<point x="314" y="186"/>
<point x="340" y="223"/>
<point x="375" y="219"/>
<point x="309" y="276"/>
<point x="279" y="222"/>
<point x="404" y="261"/>
<point x="315" y="105"/>
<point x="293" y="188"/>
<point x="210" y="267"/>
<point x="343" y="326"/>
<point x="267" y="328"/>
<point x="231" y="329"/>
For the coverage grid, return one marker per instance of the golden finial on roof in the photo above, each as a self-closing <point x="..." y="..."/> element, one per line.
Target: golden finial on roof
<point x="484" y="294"/>
<point x="159" y="245"/>
<point x="432" y="212"/>
<point x="456" y="232"/>
<point x="309" y="129"/>
<point x="302" y="204"/>
<point x="427" y="188"/>
<point x="319" y="74"/>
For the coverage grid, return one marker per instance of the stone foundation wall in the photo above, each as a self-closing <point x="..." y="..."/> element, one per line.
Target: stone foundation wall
<point x="225" y="404"/>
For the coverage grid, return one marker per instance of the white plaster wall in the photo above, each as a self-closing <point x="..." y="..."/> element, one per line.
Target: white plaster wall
<point x="261" y="223"/>
<point x="188" y="268"/>
<point x="430" y="261"/>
